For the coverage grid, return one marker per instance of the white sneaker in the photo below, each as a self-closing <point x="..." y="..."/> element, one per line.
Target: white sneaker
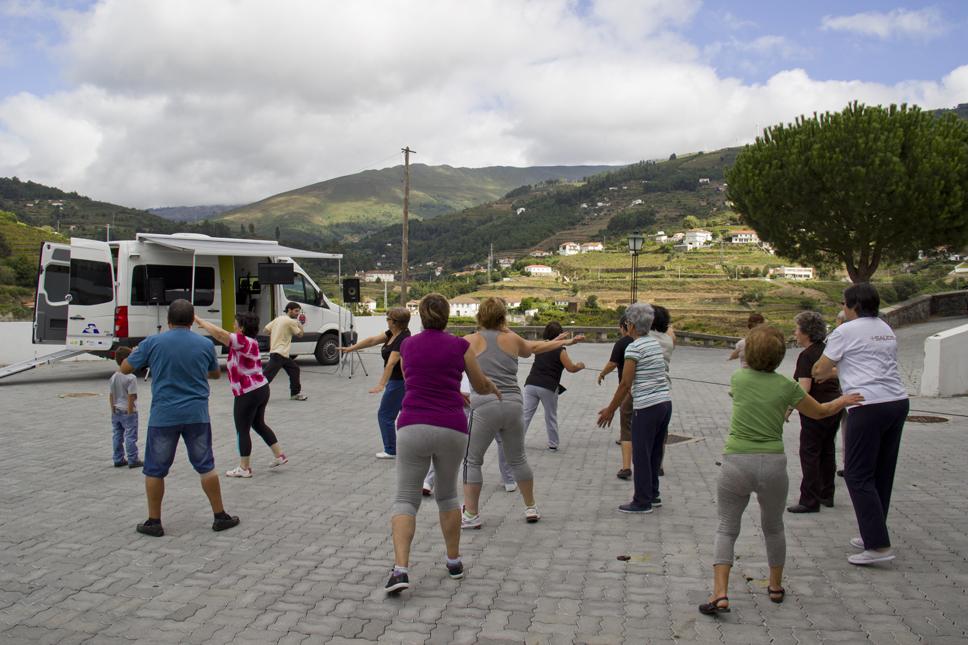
<point x="385" y="455"/>
<point x="531" y="514"/>
<point x="299" y="397"/>
<point x="239" y="471"/>
<point x="513" y="486"/>
<point x="468" y="521"/>
<point x="871" y="557"/>
<point x="281" y="460"/>
<point x="857" y="542"/>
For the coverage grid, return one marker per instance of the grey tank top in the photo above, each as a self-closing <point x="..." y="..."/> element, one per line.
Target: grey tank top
<point x="501" y="368"/>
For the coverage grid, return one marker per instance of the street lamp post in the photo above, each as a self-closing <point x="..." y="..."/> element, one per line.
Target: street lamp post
<point x="635" y="246"/>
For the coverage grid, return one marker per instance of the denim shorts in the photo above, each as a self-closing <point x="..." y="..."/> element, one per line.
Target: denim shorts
<point x="162" y="441"/>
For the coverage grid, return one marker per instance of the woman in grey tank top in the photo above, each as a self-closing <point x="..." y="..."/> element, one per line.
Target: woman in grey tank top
<point x="498" y="349"/>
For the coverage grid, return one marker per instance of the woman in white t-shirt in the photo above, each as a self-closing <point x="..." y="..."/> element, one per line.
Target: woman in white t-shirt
<point x="863" y="353"/>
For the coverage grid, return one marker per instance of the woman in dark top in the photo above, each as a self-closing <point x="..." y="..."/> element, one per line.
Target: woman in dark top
<point x="817" y="436"/>
<point x="616" y="360"/>
<point x="391" y="381"/>
<point x="543" y="384"/>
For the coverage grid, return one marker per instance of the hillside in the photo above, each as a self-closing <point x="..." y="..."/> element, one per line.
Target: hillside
<point x="19" y="248"/>
<point x="191" y="213"/>
<point x="350" y="207"/>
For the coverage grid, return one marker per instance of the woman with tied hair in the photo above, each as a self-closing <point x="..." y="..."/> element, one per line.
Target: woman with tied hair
<point x="250" y="388"/>
<point x="391" y="381"/>
<point x="863" y="352"/>
<point x="432" y="430"/>
<point x="497" y="350"/>
<point x="753" y="459"/>
<point x="644" y="374"/>
<point x="817" y="436"/>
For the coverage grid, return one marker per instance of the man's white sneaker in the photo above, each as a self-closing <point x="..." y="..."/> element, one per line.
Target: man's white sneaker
<point x="468" y="521"/>
<point x="871" y="557"/>
<point x="299" y="397"/>
<point x="513" y="486"/>
<point x="281" y="460"/>
<point x="531" y="514"/>
<point x="857" y="542"/>
<point x="239" y="471"/>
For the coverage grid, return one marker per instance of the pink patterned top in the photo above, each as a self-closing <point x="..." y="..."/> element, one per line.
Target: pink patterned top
<point x="244" y="366"/>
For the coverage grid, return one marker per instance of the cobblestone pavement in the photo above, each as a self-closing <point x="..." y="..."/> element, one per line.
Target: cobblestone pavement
<point x="309" y="560"/>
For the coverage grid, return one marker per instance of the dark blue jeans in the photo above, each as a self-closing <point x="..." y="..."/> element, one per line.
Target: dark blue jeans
<point x="390" y="406"/>
<point x="650" y="426"/>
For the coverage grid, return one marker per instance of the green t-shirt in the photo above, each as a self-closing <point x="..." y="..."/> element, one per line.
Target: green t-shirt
<point x="760" y="402"/>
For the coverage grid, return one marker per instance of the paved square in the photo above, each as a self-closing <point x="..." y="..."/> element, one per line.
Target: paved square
<point x="309" y="560"/>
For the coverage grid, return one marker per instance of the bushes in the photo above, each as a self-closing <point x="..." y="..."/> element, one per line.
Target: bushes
<point x="905" y="286"/>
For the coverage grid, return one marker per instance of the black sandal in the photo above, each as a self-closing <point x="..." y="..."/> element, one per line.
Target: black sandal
<point x="710" y="608"/>
<point x="781" y="592"/>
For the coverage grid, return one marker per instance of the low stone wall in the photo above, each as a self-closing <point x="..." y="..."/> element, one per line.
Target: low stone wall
<point x="921" y="308"/>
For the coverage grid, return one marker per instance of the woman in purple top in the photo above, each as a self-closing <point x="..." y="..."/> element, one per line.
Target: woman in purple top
<point x="431" y="428"/>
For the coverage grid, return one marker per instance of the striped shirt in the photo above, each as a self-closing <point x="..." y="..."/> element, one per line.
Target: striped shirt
<point x="651" y="386"/>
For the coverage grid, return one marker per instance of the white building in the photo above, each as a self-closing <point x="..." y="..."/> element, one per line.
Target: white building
<point x="369" y="304"/>
<point x="590" y="247"/>
<point x="382" y="276"/>
<point x="744" y="237"/>
<point x="505" y="263"/>
<point x="539" y="269"/>
<point x="464" y="306"/>
<point x="520" y="210"/>
<point x="637" y="202"/>
<point x="539" y="254"/>
<point x="704" y="180"/>
<point x="569" y="248"/>
<point x="794" y="273"/>
<point x="661" y="237"/>
<point x="413" y="306"/>
<point x="697" y="238"/>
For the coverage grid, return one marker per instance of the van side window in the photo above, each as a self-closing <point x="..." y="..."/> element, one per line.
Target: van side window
<point x="170" y="284"/>
<point x="91" y="282"/>
<point x="57" y="281"/>
<point x="297" y="290"/>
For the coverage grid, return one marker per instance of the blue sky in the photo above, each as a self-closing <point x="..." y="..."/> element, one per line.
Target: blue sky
<point x="171" y="102"/>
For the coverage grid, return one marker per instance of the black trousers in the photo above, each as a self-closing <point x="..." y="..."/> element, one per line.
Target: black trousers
<point x="650" y="426"/>
<point x="249" y="411"/>
<point x="817" y="459"/>
<point x="278" y="362"/>
<point x="873" y="440"/>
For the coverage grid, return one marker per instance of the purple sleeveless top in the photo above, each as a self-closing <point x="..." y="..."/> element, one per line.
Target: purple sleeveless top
<point x="433" y="362"/>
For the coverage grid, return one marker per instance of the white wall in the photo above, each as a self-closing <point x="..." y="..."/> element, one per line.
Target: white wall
<point x="946" y="377"/>
<point x="367" y="326"/>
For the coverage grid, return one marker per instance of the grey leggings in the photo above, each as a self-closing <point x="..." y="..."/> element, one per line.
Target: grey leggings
<point x="497" y="418"/>
<point x="417" y="446"/>
<point x="534" y="394"/>
<point x="765" y="475"/>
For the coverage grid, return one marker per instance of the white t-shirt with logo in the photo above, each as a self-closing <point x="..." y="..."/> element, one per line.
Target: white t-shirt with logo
<point x="865" y="350"/>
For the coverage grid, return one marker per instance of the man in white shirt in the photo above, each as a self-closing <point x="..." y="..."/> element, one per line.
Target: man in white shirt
<point x="281" y="331"/>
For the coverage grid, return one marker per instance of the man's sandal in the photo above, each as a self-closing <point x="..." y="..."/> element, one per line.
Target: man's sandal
<point x="710" y="608"/>
<point x="776" y="595"/>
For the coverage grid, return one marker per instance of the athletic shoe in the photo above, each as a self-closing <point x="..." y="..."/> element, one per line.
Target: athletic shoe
<point x="120" y="464"/>
<point x="427" y="490"/>
<point x="656" y="502"/>
<point x="137" y="463"/>
<point x="511" y="487"/>
<point x="385" y="455"/>
<point x="531" y="515"/>
<point x="468" y="521"/>
<point x="239" y="471"/>
<point x="223" y="523"/>
<point x="397" y="583"/>
<point x="455" y="571"/>
<point x="800" y="508"/>
<point x="299" y="397"/>
<point x="553" y="448"/>
<point x="857" y="542"/>
<point x="281" y="460"/>
<point x="154" y="530"/>
<point x="870" y="557"/>
<point x="629" y="508"/>
<point x="624" y="473"/>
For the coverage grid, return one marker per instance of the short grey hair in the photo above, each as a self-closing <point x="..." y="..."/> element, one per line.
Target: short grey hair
<point x="811" y="325"/>
<point x="641" y="316"/>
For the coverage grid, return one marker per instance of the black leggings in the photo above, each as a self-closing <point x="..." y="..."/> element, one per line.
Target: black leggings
<point x="250" y="412"/>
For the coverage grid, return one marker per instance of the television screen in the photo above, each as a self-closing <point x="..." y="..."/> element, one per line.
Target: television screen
<point x="276" y="273"/>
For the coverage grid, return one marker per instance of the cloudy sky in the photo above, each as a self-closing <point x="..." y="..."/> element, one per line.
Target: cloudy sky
<point x="181" y="102"/>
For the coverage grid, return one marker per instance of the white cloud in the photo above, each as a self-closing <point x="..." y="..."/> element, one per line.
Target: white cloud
<point x="898" y="23"/>
<point x="181" y="102"/>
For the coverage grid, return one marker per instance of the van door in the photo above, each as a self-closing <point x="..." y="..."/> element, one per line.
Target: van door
<point x="304" y="292"/>
<point x="90" y="312"/>
<point x="53" y="283"/>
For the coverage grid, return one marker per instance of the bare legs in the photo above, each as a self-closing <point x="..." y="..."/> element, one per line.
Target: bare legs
<point x="721" y="582"/>
<point x="404" y="526"/>
<point x="155" y="491"/>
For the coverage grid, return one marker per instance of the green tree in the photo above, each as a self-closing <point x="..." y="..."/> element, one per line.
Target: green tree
<point x="862" y="186"/>
<point x="591" y="302"/>
<point x="690" y="221"/>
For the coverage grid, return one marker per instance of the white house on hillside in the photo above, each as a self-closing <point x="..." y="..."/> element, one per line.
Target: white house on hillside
<point x="744" y="237"/>
<point x="539" y="269"/>
<point x="369" y="304"/>
<point x="383" y="276"/>
<point x="661" y="237"/>
<point x="794" y="273"/>
<point x="589" y="247"/>
<point x="464" y="306"/>
<point x="569" y="248"/>
<point x="504" y="263"/>
<point x="697" y="238"/>
<point x="539" y="254"/>
<point x="520" y="210"/>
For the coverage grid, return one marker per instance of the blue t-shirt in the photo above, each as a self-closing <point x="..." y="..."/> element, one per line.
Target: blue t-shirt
<point x="180" y="361"/>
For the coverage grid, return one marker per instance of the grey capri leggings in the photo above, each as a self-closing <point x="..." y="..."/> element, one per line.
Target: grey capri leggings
<point x="493" y="418"/>
<point x="765" y="475"/>
<point x="417" y="446"/>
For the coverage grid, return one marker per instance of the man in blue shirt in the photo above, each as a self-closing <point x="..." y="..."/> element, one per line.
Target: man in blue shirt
<point x="181" y="362"/>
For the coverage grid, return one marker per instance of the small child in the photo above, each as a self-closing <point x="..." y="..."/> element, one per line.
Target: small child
<point x="124" y="414"/>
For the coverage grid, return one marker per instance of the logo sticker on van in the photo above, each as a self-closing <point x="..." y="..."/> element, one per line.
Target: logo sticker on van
<point x="91" y="329"/>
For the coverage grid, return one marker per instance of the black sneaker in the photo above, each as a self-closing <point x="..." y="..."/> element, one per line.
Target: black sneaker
<point x="624" y="473"/>
<point x="223" y="523"/>
<point x="455" y="571"/>
<point x="120" y="464"/>
<point x="137" y="463"/>
<point x="154" y="529"/>
<point x="656" y="502"/>
<point x="630" y="508"/>
<point x="400" y="581"/>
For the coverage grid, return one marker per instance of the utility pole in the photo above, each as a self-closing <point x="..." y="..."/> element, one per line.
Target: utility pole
<point x="406" y="223"/>
<point x="490" y="262"/>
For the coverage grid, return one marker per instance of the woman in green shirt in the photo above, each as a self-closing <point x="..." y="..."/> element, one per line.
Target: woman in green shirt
<point x="753" y="459"/>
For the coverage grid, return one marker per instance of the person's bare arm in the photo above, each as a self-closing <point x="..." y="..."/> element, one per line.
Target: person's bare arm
<point x="479" y="381"/>
<point x="809" y="406"/>
<point x="528" y="347"/>
<point x="569" y="365"/>
<point x="111" y="401"/>
<point x="220" y="335"/>
<point x="131" y="399"/>
<point x="824" y="369"/>
<point x="624" y="387"/>
<point x="609" y="367"/>
<point x="126" y="367"/>
<point x="733" y="355"/>
<point x="366" y="342"/>
<point x="387" y="371"/>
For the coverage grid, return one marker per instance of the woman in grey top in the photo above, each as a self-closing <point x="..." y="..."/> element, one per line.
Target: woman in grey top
<point x="497" y="350"/>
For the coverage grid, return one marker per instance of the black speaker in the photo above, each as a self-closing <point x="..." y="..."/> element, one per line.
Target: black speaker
<point x="156" y="291"/>
<point x="351" y="290"/>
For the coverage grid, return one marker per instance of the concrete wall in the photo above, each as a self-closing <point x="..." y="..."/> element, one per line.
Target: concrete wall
<point x="948" y="377"/>
<point x="920" y="308"/>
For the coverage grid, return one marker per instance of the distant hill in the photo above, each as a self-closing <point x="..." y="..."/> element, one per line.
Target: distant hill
<point x="191" y="213"/>
<point x="961" y="111"/>
<point x="352" y="206"/>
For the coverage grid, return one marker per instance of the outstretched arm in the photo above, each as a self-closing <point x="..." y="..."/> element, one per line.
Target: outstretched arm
<point x="220" y="335"/>
<point x="569" y="365"/>
<point x="809" y="406"/>
<point x="366" y="342"/>
<point x="624" y="387"/>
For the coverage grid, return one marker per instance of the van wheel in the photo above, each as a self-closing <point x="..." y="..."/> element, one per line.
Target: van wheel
<point x="327" y="350"/>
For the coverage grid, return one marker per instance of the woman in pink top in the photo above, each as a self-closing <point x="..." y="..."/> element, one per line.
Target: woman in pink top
<point x="250" y="387"/>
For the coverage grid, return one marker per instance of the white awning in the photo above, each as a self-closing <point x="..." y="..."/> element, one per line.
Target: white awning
<point x="232" y="247"/>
